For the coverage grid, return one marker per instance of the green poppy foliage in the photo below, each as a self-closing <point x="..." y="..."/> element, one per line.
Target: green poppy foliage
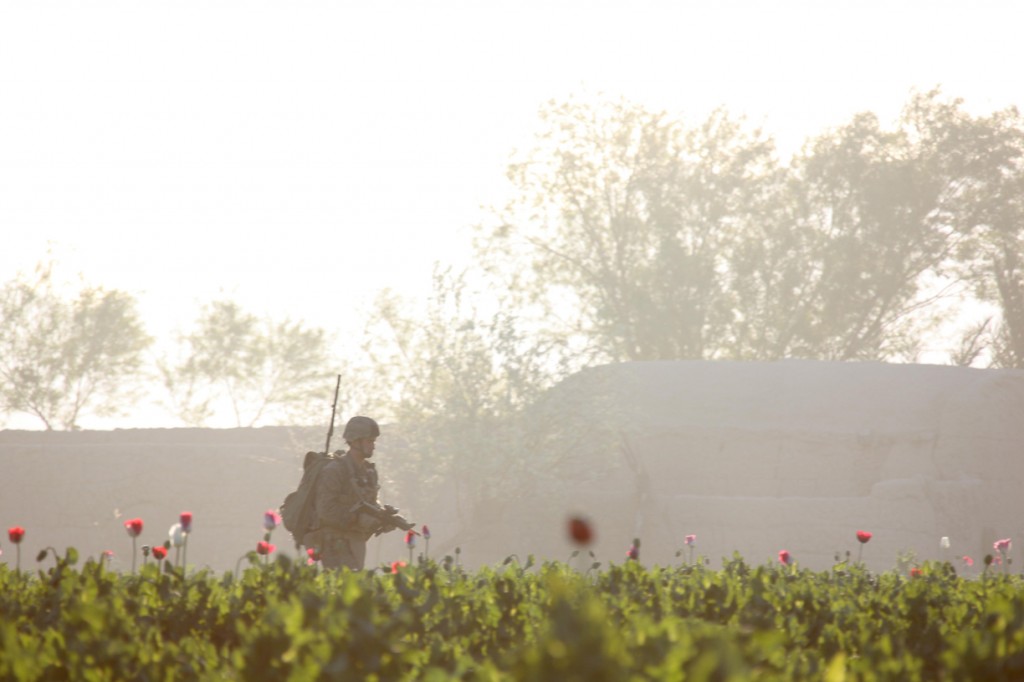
<point x="288" y="621"/>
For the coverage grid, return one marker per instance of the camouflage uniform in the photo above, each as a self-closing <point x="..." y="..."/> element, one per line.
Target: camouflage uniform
<point x="342" y="534"/>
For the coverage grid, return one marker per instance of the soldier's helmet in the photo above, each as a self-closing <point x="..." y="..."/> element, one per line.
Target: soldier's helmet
<point x="360" y="427"/>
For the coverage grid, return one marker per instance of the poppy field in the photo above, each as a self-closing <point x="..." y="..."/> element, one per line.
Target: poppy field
<point x="284" y="620"/>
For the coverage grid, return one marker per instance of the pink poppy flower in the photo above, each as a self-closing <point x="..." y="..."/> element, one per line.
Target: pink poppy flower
<point x="186" y="521"/>
<point x="15" y="534"/>
<point x="690" y="540"/>
<point x="271" y="520"/>
<point x="785" y="557"/>
<point x="968" y="561"/>
<point x="159" y="552"/>
<point x="1002" y="545"/>
<point x="633" y="553"/>
<point x="133" y="527"/>
<point x="314" y="555"/>
<point x="410" y="538"/>
<point x="264" y="548"/>
<point x="863" y="536"/>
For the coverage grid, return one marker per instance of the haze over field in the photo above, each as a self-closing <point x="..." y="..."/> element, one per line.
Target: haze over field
<point x="300" y="159"/>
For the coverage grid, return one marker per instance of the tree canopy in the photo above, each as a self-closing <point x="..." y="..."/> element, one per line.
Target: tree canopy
<point x="261" y="369"/>
<point x="645" y="237"/>
<point x="62" y="357"/>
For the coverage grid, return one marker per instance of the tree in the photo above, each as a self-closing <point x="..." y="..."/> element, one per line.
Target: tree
<point x="622" y="224"/>
<point x="993" y="260"/>
<point x="261" y="370"/>
<point x="635" y="237"/>
<point x="458" y="376"/>
<point x="872" y="217"/>
<point x="60" y="358"/>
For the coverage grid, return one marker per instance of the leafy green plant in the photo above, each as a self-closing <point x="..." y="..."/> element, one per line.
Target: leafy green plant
<point x="519" y="620"/>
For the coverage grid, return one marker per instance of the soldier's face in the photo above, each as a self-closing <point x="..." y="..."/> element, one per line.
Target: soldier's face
<point x="366" y="447"/>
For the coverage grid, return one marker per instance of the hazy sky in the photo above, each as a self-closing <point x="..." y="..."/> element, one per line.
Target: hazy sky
<point x="300" y="156"/>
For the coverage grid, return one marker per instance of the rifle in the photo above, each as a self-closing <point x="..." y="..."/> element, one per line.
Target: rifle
<point x="334" y="408"/>
<point x="387" y="516"/>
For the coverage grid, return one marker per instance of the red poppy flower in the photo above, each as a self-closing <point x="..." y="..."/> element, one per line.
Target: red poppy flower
<point x="159" y="552"/>
<point x="15" y="534"/>
<point x="863" y="536"/>
<point x="785" y="557"/>
<point x="263" y="547"/>
<point x="915" y="572"/>
<point x="397" y="565"/>
<point x="313" y="554"/>
<point x="134" y="527"/>
<point x="186" y="521"/>
<point x="410" y="538"/>
<point x="633" y="552"/>
<point x="580" y="531"/>
<point x="425" y="532"/>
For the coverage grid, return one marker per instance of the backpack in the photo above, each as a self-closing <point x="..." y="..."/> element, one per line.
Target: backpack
<point x="297" y="512"/>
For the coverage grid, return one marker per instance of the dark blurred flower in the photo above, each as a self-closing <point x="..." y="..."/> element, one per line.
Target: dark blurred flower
<point x="580" y="531"/>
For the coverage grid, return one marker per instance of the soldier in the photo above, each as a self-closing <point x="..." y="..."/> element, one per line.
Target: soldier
<point x="345" y="501"/>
